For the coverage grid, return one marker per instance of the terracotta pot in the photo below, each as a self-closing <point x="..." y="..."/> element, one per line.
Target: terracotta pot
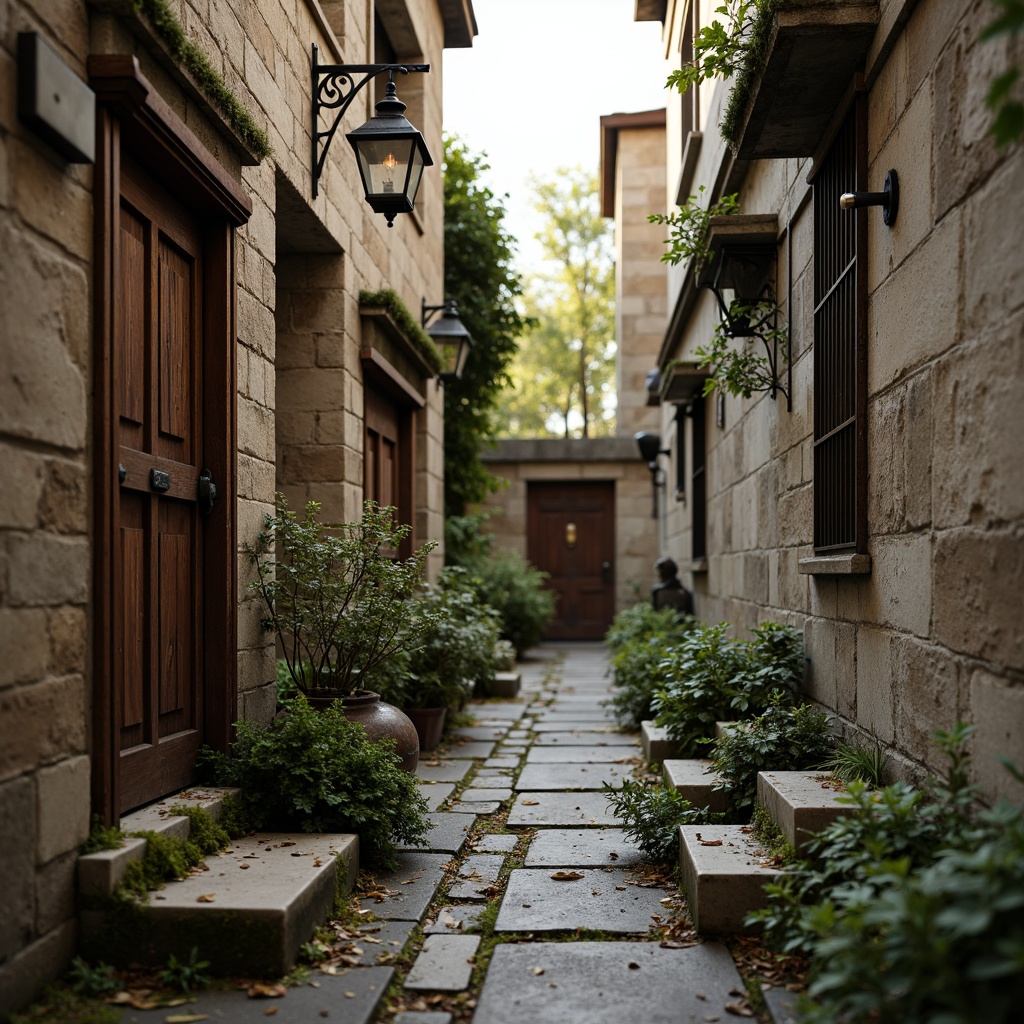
<point x="429" y="724"/>
<point x="380" y="720"/>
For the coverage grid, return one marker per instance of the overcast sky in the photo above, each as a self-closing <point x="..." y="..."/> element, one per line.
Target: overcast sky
<point x="532" y="89"/>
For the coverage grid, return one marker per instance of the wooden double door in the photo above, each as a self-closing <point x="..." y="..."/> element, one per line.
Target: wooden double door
<point x="571" y="536"/>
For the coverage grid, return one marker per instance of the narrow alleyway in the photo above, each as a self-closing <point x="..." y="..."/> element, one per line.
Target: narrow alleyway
<point x="528" y="903"/>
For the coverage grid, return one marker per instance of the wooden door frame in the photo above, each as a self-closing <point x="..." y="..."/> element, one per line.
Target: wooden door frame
<point x="132" y="115"/>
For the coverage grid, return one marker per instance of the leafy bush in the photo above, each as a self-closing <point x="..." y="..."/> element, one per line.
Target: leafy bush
<point x="641" y="622"/>
<point x="504" y="580"/>
<point x="783" y="739"/>
<point x="709" y="678"/>
<point x="317" y="772"/>
<point x="911" y="907"/>
<point x="651" y="815"/>
<point x="334" y="598"/>
<point x="515" y="590"/>
<point x="457" y="650"/>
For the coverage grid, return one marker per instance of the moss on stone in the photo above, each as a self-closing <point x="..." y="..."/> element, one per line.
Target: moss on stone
<point x="388" y="299"/>
<point x="753" y="65"/>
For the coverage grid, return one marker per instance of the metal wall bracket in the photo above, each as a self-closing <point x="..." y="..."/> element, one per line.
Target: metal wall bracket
<point x="334" y="88"/>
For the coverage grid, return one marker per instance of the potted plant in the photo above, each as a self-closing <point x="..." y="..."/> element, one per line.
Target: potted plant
<point x="454" y="652"/>
<point x="338" y="603"/>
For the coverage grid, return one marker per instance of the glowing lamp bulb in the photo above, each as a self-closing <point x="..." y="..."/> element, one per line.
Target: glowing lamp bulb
<point x="389" y="164"/>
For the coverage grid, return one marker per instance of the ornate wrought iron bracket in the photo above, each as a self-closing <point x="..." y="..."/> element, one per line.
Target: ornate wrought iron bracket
<point x="334" y="88"/>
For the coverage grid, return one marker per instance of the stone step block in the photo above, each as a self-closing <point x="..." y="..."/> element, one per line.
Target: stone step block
<point x="248" y="912"/>
<point x="723" y="869"/>
<point x="800" y="802"/>
<point x="505" y="684"/>
<point x="656" y="743"/>
<point x="690" y="778"/>
<point x="445" y="963"/>
<point x="100" y="873"/>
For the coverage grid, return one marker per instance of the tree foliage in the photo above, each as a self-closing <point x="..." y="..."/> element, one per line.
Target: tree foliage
<point x="478" y="253"/>
<point x="565" y="370"/>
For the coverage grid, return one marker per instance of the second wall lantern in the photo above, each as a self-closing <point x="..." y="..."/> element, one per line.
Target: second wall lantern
<point x="390" y="152"/>
<point x="450" y="336"/>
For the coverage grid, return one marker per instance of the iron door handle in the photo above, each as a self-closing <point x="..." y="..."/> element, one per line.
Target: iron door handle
<point x="207" y="496"/>
<point x="606" y="572"/>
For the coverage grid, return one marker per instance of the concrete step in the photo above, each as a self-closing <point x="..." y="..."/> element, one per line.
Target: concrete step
<point x="247" y="909"/>
<point x="690" y="778"/>
<point x="800" y="802"/>
<point x="723" y="869"/>
<point x="657" y="746"/>
<point x="100" y="873"/>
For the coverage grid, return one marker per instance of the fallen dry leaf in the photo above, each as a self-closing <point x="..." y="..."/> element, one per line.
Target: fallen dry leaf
<point x="567" y="876"/>
<point x="711" y="842"/>
<point x="270" y="1011"/>
<point x="208" y="897"/>
<point x="245" y="867"/>
<point x="186" y="1018"/>
<point x="739" y="1009"/>
<point x="536" y="970"/>
<point x="261" y="990"/>
<point x="350" y="995"/>
<point x="529" y="803"/>
<point x="633" y="965"/>
<point x="287" y="842"/>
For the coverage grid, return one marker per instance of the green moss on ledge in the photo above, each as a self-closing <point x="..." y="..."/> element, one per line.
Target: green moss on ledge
<point x="753" y="65"/>
<point x="190" y="57"/>
<point x="388" y="299"/>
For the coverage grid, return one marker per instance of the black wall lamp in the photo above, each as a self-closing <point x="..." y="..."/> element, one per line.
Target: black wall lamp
<point x="650" y="448"/>
<point x="739" y="272"/>
<point x="390" y="152"/>
<point x="451" y="337"/>
<point x="888" y="199"/>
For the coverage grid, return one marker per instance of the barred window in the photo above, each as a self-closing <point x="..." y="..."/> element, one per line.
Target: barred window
<point x="840" y="342"/>
<point x="698" y="479"/>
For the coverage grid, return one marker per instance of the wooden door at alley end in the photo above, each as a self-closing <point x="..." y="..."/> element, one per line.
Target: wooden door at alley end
<point x="571" y="536"/>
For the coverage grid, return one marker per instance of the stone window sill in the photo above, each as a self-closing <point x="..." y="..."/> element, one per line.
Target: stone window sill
<point x="836" y="565"/>
<point x="701" y="565"/>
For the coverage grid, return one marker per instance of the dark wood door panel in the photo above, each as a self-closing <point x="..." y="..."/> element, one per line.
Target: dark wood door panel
<point x="571" y="536"/>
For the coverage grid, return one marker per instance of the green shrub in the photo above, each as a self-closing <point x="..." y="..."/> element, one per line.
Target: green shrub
<point x="651" y="814"/>
<point x="515" y="590"/>
<point x="849" y="762"/>
<point x="708" y="677"/>
<point x="317" y="772"/>
<point x="457" y="650"/>
<point x="334" y="599"/>
<point x="912" y="907"/>
<point x="784" y="739"/>
<point x="642" y="621"/>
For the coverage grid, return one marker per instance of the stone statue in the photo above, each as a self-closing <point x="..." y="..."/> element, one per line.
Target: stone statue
<point x="670" y="593"/>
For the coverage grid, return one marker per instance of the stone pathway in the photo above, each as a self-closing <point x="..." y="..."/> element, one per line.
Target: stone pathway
<point x="528" y="902"/>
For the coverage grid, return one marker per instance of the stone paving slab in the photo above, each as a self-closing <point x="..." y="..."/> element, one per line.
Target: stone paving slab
<point x="781" y="1004"/>
<point x="477" y="875"/>
<point x="582" y="713"/>
<point x="508" y="761"/>
<point x="601" y="899"/>
<point x="478" y="732"/>
<point x="479" y="807"/>
<point x="582" y="848"/>
<point x="594" y="983"/>
<point x="557" y="754"/>
<point x="570" y="809"/>
<point x="435" y="793"/>
<point x="496" y="843"/>
<point x="476" y="794"/>
<point x="574" y="724"/>
<point x="584" y="738"/>
<point x="471" y="748"/>
<point x="447" y="832"/>
<point x="443" y="771"/>
<point x="572" y="776"/>
<point x="517" y="734"/>
<point x="456" y="918"/>
<point x="492" y="782"/>
<point x="444" y="964"/>
<point x="413" y="885"/>
<point x="384" y="937"/>
<point x="423" y="1017"/>
<point x="352" y="997"/>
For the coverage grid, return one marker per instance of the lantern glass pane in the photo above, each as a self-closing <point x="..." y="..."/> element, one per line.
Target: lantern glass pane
<point x="385" y="164"/>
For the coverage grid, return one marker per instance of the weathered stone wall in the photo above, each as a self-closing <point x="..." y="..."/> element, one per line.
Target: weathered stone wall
<point x="300" y="266"/>
<point x="934" y="633"/>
